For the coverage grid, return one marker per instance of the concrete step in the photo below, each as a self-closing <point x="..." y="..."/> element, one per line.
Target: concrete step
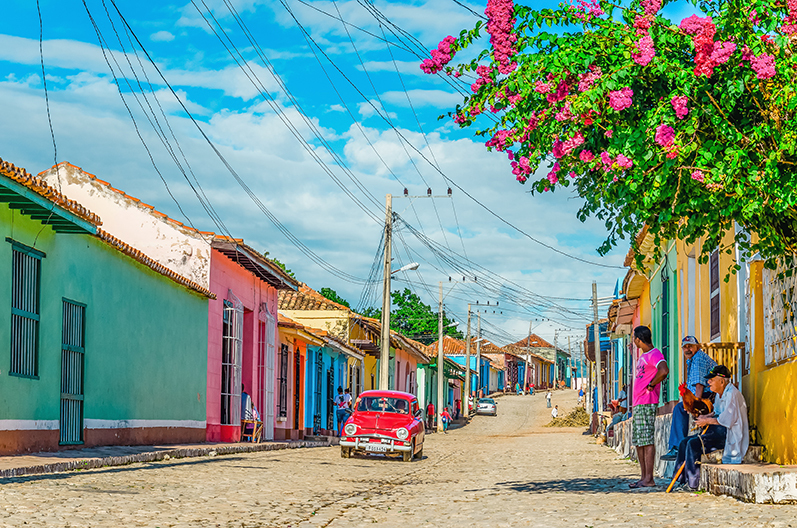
<point x="755" y="454"/>
<point x="759" y="483"/>
<point x="331" y="440"/>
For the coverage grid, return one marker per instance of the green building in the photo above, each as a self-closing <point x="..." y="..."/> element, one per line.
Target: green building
<point x="99" y="344"/>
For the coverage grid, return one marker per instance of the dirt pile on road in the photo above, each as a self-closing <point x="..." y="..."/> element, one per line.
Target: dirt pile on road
<point x="577" y="418"/>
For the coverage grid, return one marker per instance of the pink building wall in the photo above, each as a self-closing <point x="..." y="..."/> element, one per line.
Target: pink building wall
<point x="226" y="275"/>
<point x="406" y="364"/>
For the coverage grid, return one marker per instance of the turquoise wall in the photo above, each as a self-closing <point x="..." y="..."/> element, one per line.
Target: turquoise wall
<point x="146" y="336"/>
<point x="673" y="354"/>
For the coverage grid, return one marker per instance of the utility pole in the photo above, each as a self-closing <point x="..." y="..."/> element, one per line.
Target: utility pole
<point x="384" y="352"/>
<point x="596" y="331"/>
<point x="440" y="360"/>
<point x="556" y="358"/>
<point x="466" y="395"/>
<point x="478" y="352"/>
<point x="570" y="366"/>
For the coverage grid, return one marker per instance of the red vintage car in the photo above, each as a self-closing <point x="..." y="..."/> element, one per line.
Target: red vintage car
<point x="386" y="422"/>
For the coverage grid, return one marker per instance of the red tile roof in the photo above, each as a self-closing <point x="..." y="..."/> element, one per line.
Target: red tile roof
<point x="40" y="187"/>
<point x="307" y="298"/>
<point x="533" y="341"/>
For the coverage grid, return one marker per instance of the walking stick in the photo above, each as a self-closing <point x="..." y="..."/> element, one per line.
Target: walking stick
<point x="680" y="469"/>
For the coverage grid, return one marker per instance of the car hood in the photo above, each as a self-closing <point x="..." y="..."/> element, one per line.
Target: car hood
<point x="380" y="421"/>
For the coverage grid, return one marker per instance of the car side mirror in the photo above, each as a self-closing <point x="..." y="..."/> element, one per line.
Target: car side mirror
<point x="417" y="413"/>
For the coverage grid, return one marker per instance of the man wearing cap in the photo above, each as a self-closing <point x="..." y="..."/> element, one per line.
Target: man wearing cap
<point x="726" y="429"/>
<point x="698" y="365"/>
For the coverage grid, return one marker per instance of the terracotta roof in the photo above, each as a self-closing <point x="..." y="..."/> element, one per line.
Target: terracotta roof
<point x="133" y="198"/>
<point x="307" y="298"/>
<point x="40" y="187"/>
<point x="151" y="263"/>
<point x="399" y="341"/>
<point x="533" y="341"/>
<point x="450" y="346"/>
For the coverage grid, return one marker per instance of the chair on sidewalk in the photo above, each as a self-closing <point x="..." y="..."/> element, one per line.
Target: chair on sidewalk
<point x="251" y="431"/>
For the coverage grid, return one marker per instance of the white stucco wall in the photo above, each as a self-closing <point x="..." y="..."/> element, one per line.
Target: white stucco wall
<point x="181" y="249"/>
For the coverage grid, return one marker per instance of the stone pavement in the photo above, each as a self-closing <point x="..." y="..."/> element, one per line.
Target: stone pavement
<point x="497" y="471"/>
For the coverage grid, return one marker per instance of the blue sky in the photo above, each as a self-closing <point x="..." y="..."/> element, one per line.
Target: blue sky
<point x="286" y="167"/>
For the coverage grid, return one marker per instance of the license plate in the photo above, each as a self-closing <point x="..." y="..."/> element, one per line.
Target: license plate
<point x="377" y="448"/>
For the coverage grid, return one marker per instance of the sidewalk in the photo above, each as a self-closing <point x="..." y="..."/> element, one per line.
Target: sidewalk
<point x="95" y="457"/>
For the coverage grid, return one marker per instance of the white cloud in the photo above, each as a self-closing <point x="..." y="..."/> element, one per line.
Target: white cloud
<point x="437" y="98"/>
<point x="161" y="36"/>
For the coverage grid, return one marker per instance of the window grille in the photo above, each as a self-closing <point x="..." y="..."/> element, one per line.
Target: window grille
<point x="714" y="297"/>
<point x="283" y="382"/>
<point x="73" y="333"/>
<point x="231" y="360"/>
<point x="297" y="389"/>
<point x="780" y="321"/>
<point x="319" y="368"/>
<point x="25" y="317"/>
<point x="665" y="325"/>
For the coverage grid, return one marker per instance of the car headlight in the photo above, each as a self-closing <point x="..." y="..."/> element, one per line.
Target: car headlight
<point x="350" y="429"/>
<point x="402" y="434"/>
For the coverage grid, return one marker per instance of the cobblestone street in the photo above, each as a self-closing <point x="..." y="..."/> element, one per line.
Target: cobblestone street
<point x="498" y="471"/>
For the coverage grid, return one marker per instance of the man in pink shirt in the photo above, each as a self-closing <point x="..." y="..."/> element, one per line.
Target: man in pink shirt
<point x="651" y="370"/>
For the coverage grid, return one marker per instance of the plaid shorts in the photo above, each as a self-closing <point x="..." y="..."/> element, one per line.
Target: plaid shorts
<point x="643" y="425"/>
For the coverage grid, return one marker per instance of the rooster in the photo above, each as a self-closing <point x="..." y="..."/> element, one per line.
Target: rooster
<point x="694" y="405"/>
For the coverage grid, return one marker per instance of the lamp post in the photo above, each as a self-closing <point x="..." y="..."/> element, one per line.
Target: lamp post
<point x="384" y="348"/>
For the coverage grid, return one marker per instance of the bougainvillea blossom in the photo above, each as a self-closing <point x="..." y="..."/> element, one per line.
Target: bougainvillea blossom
<point x="665" y="135"/>
<point x="679" y="104"/>
<point x="440" y="56"/>
<point x="621" y="99"/>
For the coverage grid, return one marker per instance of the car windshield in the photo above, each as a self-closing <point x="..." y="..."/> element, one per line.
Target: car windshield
<point x="383" y="404"/>
<point x="487" y="400"/>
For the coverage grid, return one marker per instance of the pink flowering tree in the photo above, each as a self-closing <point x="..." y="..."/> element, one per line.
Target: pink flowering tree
<point x="685" y="126"/>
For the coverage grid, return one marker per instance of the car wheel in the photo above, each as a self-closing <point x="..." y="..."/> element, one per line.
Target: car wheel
<point x="419" y="454"/>
<point x="345" y="452"/>
<point x="407" y="455"/>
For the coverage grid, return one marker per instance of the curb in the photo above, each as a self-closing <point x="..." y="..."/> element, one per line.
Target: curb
<point x="153" y="456"/>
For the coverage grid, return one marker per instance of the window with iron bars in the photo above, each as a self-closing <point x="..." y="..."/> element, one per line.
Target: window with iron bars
<point x="283" y="382"/>
<point x="25" y="305"/>
<point x="714" y="293"/>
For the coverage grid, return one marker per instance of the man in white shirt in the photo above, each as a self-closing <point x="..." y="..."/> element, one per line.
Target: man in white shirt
<point x="555" y="412"/>
<point x="727" y="429"/>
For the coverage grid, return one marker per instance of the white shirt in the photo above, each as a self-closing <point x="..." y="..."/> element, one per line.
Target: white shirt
<point x="548" y="395"/>
<point x="622" y="400"/>
<point x="555" y="412"/>
<point x="731" y="412"/>
<point x="347" y="401"/>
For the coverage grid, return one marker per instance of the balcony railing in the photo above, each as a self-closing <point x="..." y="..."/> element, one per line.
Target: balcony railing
<point x="729" y="354"/>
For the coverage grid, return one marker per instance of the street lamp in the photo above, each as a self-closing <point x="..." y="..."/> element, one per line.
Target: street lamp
<point x="384" y="349"/>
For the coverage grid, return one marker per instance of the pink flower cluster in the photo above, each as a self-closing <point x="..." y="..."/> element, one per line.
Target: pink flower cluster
<point x="560" y="149"/>
<point x="790" y="22"/>
<point x="698" y="175"/>
<point x="665" y="135"/>
<point x="586" y="80"/>
<point x="501" y="140"/>
<point x="621" y="99"/>
<point x="559" y="94"/>
<point x="484" y="77"/>
<point x="500" y="23"/>
<point x="645" y="51"/>
<point x="440" y="56"/>
<point x="678" y="103"/>
<point x="521" y="169"/>
<point x="587" y="9"/>
<point x="565" y="114"/>
<point x="542" y="87"/>
<point x="708" y="54"/>
<point x="763" y="65"/>
<point x="552" y="176"/>
<point x="651" y="7"/>
<point x="586" y="156"/>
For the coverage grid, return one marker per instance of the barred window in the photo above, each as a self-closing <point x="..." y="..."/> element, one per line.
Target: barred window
<point x="283" y="382"/>
<point x="714" y="295"/>
<point x="25" y="292"/>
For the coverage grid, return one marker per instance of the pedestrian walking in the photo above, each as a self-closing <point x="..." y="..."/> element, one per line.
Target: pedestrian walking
<point x="548" y="396"/>
<point x="446" y="417"/>
<point x="651" y="370"/>
<point x="430" y="416"/>
<point x="555" y="412"/>
<point x="341" y="409"/>
<point x="581" y="395"/>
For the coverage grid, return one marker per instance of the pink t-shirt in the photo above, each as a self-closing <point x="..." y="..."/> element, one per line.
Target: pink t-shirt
<point x="646" y="367"/>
